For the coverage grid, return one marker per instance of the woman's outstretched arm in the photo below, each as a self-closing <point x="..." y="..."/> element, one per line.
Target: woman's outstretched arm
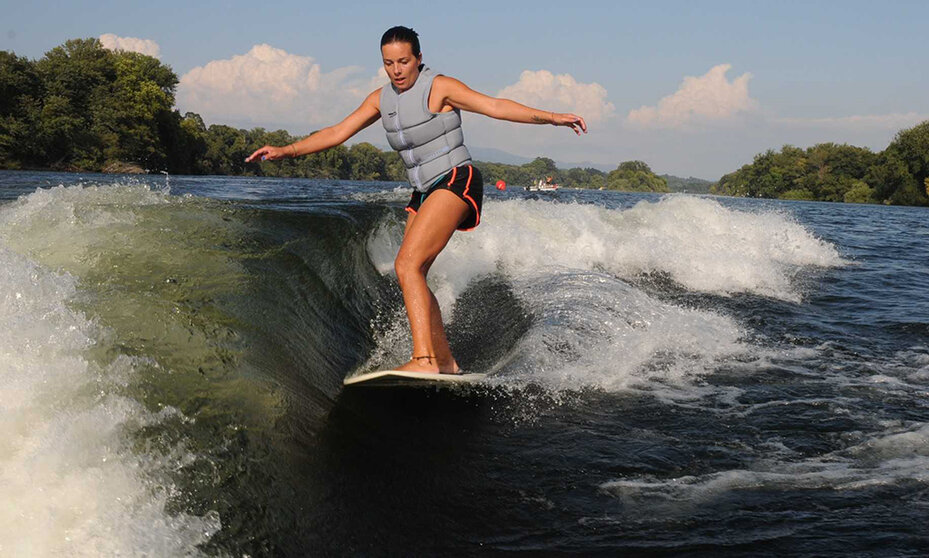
<point x="459" y="95"/>
<point x="331" y="136"/>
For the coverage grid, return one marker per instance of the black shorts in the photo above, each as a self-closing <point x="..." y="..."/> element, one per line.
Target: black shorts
<point x="465" y="182"/>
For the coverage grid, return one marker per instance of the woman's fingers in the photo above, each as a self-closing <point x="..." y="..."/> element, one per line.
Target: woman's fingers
<point x="258" y="152"/>
<point x="582" y="124"/>
<point x="577" y="124"/>
<point x="572" y="121"/>
<point x="266" y="153"/>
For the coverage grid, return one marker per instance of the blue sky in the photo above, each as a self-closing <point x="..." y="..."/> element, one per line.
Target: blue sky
<point x="798" y="72"/>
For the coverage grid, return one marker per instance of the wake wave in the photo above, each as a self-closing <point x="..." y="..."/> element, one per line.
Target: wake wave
<point x="573" y="268"/>
<point x="124" y="310"/>
<point x="71" y="483"/>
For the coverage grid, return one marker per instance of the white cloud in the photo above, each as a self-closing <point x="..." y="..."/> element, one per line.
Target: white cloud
<point x="269" y="87"/>
<point x="708" y="98"/>
<point x="545" y="90"/>
<point x="131" y="44"/>
<point x="380" y="79"/>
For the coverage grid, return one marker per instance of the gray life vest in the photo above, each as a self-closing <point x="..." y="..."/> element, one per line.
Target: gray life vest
<point x="430" y="144"/>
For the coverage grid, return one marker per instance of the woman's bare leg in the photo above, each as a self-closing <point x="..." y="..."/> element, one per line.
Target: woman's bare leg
<point x="426" y="235"/>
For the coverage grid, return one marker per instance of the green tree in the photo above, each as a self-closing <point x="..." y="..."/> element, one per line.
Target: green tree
<point x="831" y="170"/>
<point x="133" y="113"/>
<point x="860" y="192"/>
<point x="541" y="167"/>
<point x="334" y="163"/>
<point x="187" y="153"/>
<point x="634" y="166"/>
<point x="226" y="150"/>
<point x="911" y="148"/>
<point x="890" y="178"/>
<point x="367" y="163"/>
<point x="635" y="176"/>
<point x="81" y="106"/>
<point x="20" y="96"/>
<point x="73" y="77"/>
<point x="583" y="178"/>
<point x="394" y="167"/>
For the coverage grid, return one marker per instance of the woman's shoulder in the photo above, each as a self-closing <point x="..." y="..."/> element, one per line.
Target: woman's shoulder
<point x="374" y="96"/>
<point x="447" y="82"/>
<point x="372" y="101"/>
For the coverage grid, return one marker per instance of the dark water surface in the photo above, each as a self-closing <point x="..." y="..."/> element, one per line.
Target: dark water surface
<point x="669" y="375"/>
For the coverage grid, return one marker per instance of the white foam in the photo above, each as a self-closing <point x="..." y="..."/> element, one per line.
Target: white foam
<point x="897" y="455"/>
<point x="71" y="484"/>
<point x="571" y="264"/>
<point x="904" y="373"/>
<point x="592" y="330"/>
<point x="63" y="225"/>
<point x="398" y="194"/>
<point x="699" y="243"/>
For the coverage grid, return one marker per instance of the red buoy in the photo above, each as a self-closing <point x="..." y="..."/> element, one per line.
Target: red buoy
<point x="501" y="185"/>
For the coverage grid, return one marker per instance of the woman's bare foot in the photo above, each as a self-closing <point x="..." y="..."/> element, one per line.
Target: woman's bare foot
<point x="430" y="364"/>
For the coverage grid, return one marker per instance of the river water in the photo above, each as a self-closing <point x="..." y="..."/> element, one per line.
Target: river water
<point x="674" y="375"/>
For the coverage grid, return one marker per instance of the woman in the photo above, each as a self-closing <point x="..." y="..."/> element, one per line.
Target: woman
<point x="420" y="112"/>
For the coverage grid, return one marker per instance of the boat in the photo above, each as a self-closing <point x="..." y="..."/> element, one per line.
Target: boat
<point x="543" y="185"/>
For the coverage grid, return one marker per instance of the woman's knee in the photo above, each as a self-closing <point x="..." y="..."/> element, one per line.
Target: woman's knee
<point x="408" y="267"/>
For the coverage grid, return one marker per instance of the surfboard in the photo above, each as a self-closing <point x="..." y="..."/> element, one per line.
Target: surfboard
<point x="400" y="378"/>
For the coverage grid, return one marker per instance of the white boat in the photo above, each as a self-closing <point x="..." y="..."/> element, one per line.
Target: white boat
<point x="542" y="186"/>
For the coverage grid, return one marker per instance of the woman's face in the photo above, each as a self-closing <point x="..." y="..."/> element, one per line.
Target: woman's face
<point x="401" y="65"/>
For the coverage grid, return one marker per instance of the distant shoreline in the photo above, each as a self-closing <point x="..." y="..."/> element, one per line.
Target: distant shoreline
<point x="78" y="110"/>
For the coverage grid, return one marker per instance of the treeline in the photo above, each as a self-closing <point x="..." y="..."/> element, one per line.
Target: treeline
<point x="690" y="185"/>
<point x="630" y="176"/>
<point x="82" y="106"/>
<point x="899" y="175"/>
<point x="85" y="108"/>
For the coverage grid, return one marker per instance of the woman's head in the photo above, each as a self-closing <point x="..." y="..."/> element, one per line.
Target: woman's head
<point x="402" y="56"/>
<point x="401" y="34"/>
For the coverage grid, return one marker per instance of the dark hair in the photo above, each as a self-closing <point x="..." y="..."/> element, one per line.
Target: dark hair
<point x="401" y="34"/>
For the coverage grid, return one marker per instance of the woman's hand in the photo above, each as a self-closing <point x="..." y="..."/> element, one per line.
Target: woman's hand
<point x="572" y="121"/>
<point x="271" y="153"/>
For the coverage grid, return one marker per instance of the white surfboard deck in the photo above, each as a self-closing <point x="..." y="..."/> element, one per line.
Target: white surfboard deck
<point x="398" y="378"/>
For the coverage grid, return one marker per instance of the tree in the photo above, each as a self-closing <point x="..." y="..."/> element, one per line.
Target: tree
<point x="583" y="178"/>
<point x="132" y="113"/>
<point x="635" y="176"/>
<point x="825" y="172"/>
<point x="20" y="93"/>
<point x="188" y="152"/>
<point x="888" y="176"/>
<point x="396" y="170"/>
<point x="541" y="167"/>
<point x="366" y="162"/>
<point x="226" y="150"/>
<point x="333" y="163"/>
<point x="860" y="192"/>
<point x="72" y="76"/>
<point x="911" y="148"/>
<point x="634" y="166"/>
<point x="831" y="169"/>
<point x="81" y="106"/>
